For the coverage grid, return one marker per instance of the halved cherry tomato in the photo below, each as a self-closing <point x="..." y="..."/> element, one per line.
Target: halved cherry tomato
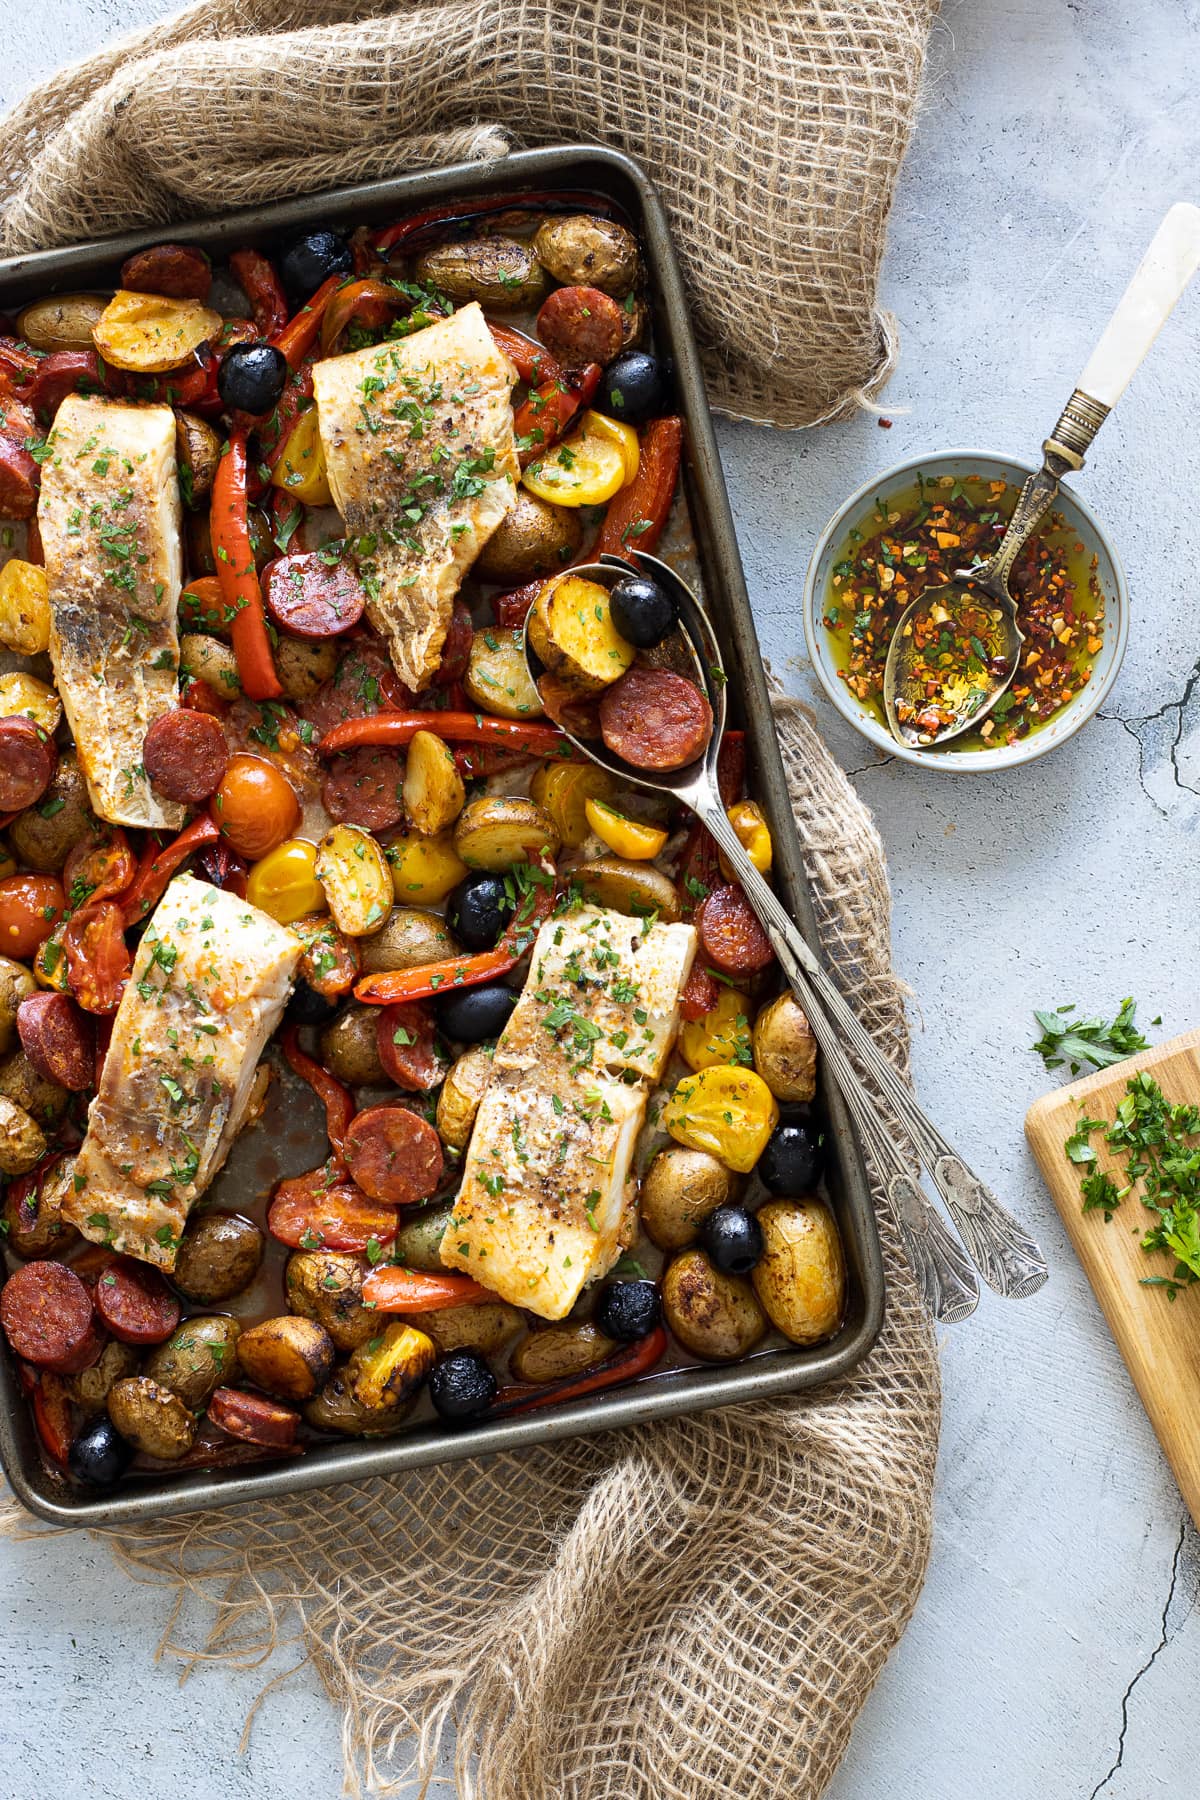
<point x="393" y="1289"/>
<point x="98" y="962"/>
<point x="30" y="905"/>
<point x="283" y="884"/>
<point x="255" y="807"/>
<point x="321" y="1210"/>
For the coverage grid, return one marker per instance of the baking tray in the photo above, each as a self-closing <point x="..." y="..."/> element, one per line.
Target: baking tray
<point x="769" y="1372"/>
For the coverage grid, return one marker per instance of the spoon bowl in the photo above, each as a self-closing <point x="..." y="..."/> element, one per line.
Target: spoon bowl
<point x="982" y="623"/>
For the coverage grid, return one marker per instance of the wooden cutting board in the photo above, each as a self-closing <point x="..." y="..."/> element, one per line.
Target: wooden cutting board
<point x="1160" y="1341"/>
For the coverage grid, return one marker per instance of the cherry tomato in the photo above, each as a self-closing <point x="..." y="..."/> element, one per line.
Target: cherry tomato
<point x="29" y="906"/>
<point x="255" y="806"/>
<point x="284" y="884"/>
<point x="98" y="962"/>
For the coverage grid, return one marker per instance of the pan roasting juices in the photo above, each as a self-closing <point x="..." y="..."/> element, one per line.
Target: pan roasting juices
<point x="919" y="537"/>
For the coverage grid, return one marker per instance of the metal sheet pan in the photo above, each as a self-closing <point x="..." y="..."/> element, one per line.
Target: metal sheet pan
<point x="770" y="1372"/>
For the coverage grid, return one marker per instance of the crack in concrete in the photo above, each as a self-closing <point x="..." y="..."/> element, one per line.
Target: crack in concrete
<point x="882" y="762"/>
<point x="1179" y="708"/>
<point x="1163" y="1641"/>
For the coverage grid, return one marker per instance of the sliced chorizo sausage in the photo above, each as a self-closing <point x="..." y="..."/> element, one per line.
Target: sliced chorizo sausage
<point x="394" y="1155"/>
<point x="365" y="788"/>
<point x="313" y="598"/>
<point x="317" y="1212"/>
<point x="405" y="1041"/>
<point x="698" y="995"/>
<point x="28" y="760"/>
<point x="20" y="479"/>
<point x="581" y="325"/>
<point x="655" y="719"/>
<point x="731" y="936"/>
<point x="59" y="1039"/>
<point x="135" y="1302"/>
<point x="176" y="270"/>
<point x="253" y="1419"/>
<point x="185" y="754"/>
<point x="48" y="1318"/>
<point x="365" y="684"/>
<point x="456" y="651"/>
<point x="576" y="713"/>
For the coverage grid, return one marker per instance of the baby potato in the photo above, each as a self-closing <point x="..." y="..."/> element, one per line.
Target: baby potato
<point x="288" y="1357"/>
<point x="487" y="1326"/>
<point x="433" y="790"/>
<point x="497" y="831"/>
<point x="151" y="1418"/>
<point x="200" y="1356"/>
<point x="680" y="1188"/>
<point x="536" y="538"/>
<point x="409" y="938"/>
<point x="62" y="321"/>
<point x="22" y="694"/>
<point x="207" y="659"/>
<point x="45" y="834"/>
<point x="503" y="274"/>
<point x="559" y="1350"/>
<point x="218" y="1257"/>
<point x="22" y="1140"/>
<point x="303" y="665"/>
<point x="33" y="1225"/>
<point x="349" y="1048"/>
<point x="418" y="1242"/>
<point x="628" y="887"/>
<point x="16" y="984"/>
<point x="21" y="1083"/>
<point x="462" y="1091"/>
<point x="497" y="678"/>
<point x="336" y="1409"/>
<point x="785" y="1050"/>
<point x="716" y="1317"/>
<point x="571" y="629"/>
<point x="327" y="1286"/>
<point x="424" y="869"/>
<point x="197" y="452"/>
<point x="352" y="869"/>
<point x="91" y="1387"/>
<point x="151" y="333"/>
<point x="581" y="251"/>
<point x="801" y="1276"/>
<point x="24" y="607"/>
<point x="388" y="1369"/>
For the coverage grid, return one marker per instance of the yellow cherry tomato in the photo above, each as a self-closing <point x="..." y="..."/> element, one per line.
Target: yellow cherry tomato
<point x="623" y="436"/>
<point x="284" y="885"/>
<point x="424" y="869"/>
<point x="587" y="468"/>
<point x="629" y="838"/>
<point x="722" y="1036"/>
<point x="301" y="467"/>
<point x="753" y="834"/>
<point x="564" y="790"/>
<point x="730" y="1112"/>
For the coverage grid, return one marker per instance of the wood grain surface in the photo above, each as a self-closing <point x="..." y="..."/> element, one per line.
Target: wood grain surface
<point x="1159" y="1339"/>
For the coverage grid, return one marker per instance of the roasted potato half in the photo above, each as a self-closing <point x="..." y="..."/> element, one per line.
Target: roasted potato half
<point x="62" y="321"/>
<point x="418" y="1241"/>
<point x="680" y="1188"/>
<point x="433" y="790"/>
<point x="497" y="831"/>
<point x="571" y="629"/>
<point x="487" y="1327"/>
<point x="91" y="1387"/>
<point x="327" y="1286"/>
<point x="409" y="938"/>
<point x="151" y="1418"/>
<point x="349" y="1048"/>
<point x="16" y="984"/>
<point x="497" y="677"/>
<point x="503" y="274"/>
<point x="24" y="695"/>
<point x="22" y="1140"/>
<point x="151" y="333"/>
<point x="716" y="1317"/>
<point x="207" y="659"/>
<point x="20" y="1082"/>
<point x="289" y="1357"/>
<point x="197" y="452"/>
<point x="785" y="1050"/>
<point x="462" y="1091"/>
<point x="303" y="665"/>
<point x="200" y="1356"/>
<point x="33" y="1225"/>
<point x="801" y="1276"/>
<point x="581" y="251"/>
<point x="536" y="538"/>
<point x="24" y="607"/>
<point x="336" y="1409"/>
<point x="628" y="887"/>
<point x="354" y="872"/>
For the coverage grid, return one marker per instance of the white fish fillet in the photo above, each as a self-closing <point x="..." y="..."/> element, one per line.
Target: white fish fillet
<point x="210" y="981"/>
<point x="418" y="441"/>
<point x="109" y="519"/>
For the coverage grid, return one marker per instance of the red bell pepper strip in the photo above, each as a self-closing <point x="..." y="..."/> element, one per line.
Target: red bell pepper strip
<point x="393" y="730"/>
<point x="158" y="866"/>
<point x="634" y="1359"/>
<point x="299" y="335"/>
<point x="547" y="410"/>
<point x="637" y="514"/>
<point x="390" y="237"/>
<point x="337" y="1100"/>
<point x="17" y="359"/>
<point x="262" y="288"/>
<point x="52" y="1416"/>
<point x="274" y="432"/>
<point x="482" y="760"/>
<point x="392" y="1289"/>
<point x="456" y="972"/>
<point x="532" y="361"/>
<point x="369" y="301"/>
<point x="241" y="593"/>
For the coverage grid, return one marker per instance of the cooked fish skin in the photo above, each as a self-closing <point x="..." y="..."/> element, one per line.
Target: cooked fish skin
<point x="547" y="1188"/>
<point x="604" y="988"/>
<point x="109" y="517"/>
<point x="210" y="981"/>
<point x="418" y="441"/>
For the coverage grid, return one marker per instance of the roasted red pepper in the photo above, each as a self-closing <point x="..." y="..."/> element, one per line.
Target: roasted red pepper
<point x="337" y="1100"/>
<point x="391" y="1289"/>
<point x="273" y="432"/>
<point x="634" y="1359"/>
<point x="393" y="730"/>
<point x="158" y="866"/>
<point x="637" y="514"/>
<point x="512" y="609"/>
<point x="547" y="410"/>
<point x="533" y="363"/>
<point x="241" y="593"/>
<point x="482" y="760"/>
<point x="299" y="335"/>
<point x="370" y="302"/>
<point x="52" y="1416"/>
<point x="263" y="289"/>
<point x="456" y="972"/>
<point x="461" y="212"/>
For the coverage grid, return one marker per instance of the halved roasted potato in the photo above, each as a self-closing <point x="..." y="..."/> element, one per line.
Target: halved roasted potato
<point x="462" y="1090"/>
<point x="498" y="831"/>
<point x="409" y="938"/>
<point x="24" y="695"/>
<point x="24" y="607"/>
<point x="289" y="1357"/>
<point x="497" y="678"/>
<point x="571" y="629"/>
<point x="433" y="790"/>
<point x="353" y="870"/>
<point x="628" y="887"/>
<point x="582" y="251"/>
<point x="503" y="274"/>
<point x="151" y="333"/>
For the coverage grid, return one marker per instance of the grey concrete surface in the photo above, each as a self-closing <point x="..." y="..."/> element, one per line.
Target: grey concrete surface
<point x="1054" y="1651"/>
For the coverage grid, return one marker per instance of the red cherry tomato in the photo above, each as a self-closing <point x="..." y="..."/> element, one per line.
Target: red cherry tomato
<point x="255" y="807"/>
<point x="29" y="907"/>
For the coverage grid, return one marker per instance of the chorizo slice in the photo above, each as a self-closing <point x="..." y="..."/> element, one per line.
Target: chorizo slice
<point x="581" y="325"/>
<point x="135" y="1302"/>
<point x="177" y="270"/>
<point x="655" y="719"/>
<point x="252" y="1419"/>
<point x="456" y="651"/>
<point x="311" y="597"/>
<point x="365" y="788"/>
<point x="394" y="1155"/>
<point x="20" y="479"/>
<point x="28" y="760"/>
<point x="185" y="754"/>
<point x="59" y="1039"/>
<point x="48" y="1318"/>
<point x="404" y="1038"/>
<point x="731" y="936"/>
<point x="698" y="995"/>
<point x="365" y="684"/>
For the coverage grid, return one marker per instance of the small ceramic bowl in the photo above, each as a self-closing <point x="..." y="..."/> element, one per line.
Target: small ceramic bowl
<point x="1111" y="576"/>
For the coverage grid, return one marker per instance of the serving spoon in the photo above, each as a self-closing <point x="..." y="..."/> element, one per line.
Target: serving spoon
<point x="976" y="603"/>
<point x="1003" y="1252"/>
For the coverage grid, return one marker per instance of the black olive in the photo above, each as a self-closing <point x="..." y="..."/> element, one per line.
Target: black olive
<point x="473" y="1014"/>
<point x="792" y="1162"/>
<point x="99" y="1456"/>
<point x="311" y="260"/>
<point x="634" y="387"/>
<point x="628" y="1309"/>
<point x="479" y="909"/>
<point x="251" y="378"/>
<point x="642" y="612"/>
<point x="307" y="1007"/>
<point x="733" y="1239"/>
<point x="461" y="1385"/>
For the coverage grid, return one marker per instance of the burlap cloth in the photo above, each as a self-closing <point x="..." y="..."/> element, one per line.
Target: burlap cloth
<point x="693" y="1610"/>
